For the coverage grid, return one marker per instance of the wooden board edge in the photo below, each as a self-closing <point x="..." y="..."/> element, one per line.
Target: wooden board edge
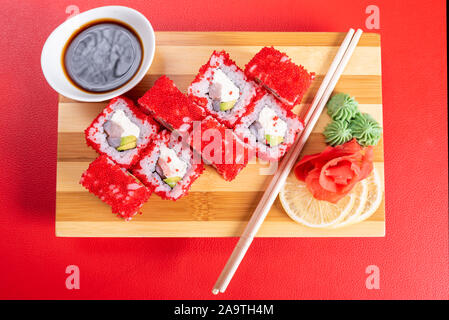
<point x="364" y="229"/>
<point x="259" y="38"/>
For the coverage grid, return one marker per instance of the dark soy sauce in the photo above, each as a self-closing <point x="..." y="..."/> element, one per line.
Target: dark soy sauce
<point x="102" y="56"/>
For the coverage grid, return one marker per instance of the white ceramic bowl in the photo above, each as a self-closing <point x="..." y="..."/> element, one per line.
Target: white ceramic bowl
<point x="51" y="58"/>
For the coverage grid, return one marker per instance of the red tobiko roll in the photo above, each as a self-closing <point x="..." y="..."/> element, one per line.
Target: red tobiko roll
<point x="331" y="174"/>
<point x="267" y="115"/>
<point x="168" y="166"/>
<point x="222" y="89"/>
<point x="121" y="131"/>
<point x="115" y="186"/>
<point x="169" y="106"/>
<point x="220" y="147"/>
<point x="277" y="73"/>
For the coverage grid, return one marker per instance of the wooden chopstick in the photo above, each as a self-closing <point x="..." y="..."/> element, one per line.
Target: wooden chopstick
<point x="327" y="86"/>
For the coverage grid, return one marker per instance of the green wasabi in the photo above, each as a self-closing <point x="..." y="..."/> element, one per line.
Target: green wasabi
<point x="337" y="132"/>
<point x="342" y="107"/>
<point x="365" y="129"/>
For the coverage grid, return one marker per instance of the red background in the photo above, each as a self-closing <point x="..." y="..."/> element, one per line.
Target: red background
<point x="413" y="257"/>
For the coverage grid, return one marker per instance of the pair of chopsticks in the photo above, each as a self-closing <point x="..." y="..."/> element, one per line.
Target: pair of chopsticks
<point x="327" y="86"/>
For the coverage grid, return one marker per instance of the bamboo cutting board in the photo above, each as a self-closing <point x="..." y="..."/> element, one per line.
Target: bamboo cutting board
<point x="215" y="207"/>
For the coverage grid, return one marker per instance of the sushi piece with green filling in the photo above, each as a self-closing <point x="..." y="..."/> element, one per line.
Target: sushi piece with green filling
<point x="168" y="166"/>
<point x="222" y="89"/>
<point x="121" y="131"/>
<point x="268" y="127"/>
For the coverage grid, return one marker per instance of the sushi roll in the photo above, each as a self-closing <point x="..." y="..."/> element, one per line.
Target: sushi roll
<point x="222" y="89"/>
<point x="168" y="167"/>
<point x="121" y="131"/>
<point x="269" y="127"/>
<point x="170" y="107"/>
<point x="278" y="74"/>
<point x="115" y="186"/>
<point x="220" y="147"/>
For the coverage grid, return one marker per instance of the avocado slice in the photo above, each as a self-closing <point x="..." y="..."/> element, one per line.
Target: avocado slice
<point x="172" y="181"/>
<point x="274" y="140"/>
<point x="128" y="139"/>
<point x="127" y="143"/>
<point x="128" y="146"/>
<point x="224" y="106"/>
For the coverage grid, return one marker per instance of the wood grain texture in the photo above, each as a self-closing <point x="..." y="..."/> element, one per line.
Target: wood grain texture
<point x="215" y="207"/>
<point x="72" y="147"/>
<point x="75" y="117"/>
<point x="367" y="88"/>
<point x="325" y="39"/>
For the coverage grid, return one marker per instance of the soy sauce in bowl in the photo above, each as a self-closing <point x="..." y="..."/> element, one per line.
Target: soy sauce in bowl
<point x="102" y="56"/>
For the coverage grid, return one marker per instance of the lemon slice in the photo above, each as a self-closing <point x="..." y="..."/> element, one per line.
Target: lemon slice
<point x="360" y="193"/>
<point x="302" y="207"/>
<point x="373" y="199"/>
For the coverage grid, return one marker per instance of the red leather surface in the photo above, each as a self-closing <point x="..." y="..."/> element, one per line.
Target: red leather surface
<point x="413" y="257"/>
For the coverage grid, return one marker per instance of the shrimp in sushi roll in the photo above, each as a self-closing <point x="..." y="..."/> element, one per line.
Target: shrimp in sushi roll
<point x="168" y="166"/>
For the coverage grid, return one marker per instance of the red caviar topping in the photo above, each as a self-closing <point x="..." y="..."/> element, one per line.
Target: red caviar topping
<point x="277" y="72"/>
<point x="104" y="175"/>
<point x="169" y="104"/>
<point x="230" y="150"/>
